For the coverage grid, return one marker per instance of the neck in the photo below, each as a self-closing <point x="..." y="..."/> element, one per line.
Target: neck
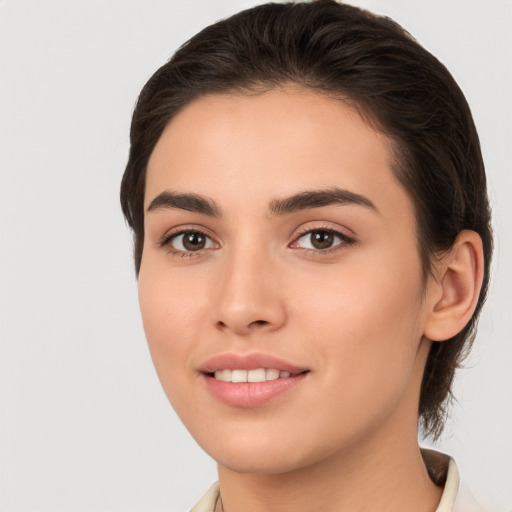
<point x="391" y="478"/>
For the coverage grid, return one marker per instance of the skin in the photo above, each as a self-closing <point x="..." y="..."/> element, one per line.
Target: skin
<point x="357" y="315"/>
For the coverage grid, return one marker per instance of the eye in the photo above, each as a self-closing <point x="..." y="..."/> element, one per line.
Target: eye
<point x="322" y="239"/>
<point x="189" y="241"/>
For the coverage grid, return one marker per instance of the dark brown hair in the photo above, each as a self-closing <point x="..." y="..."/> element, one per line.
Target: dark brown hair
<point x="397" y="86"/>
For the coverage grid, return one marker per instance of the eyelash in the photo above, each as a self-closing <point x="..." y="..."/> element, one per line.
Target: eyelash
<point x="169" y="237"/>
<point x="345" y="240"/>
<point x="166" y="240"/>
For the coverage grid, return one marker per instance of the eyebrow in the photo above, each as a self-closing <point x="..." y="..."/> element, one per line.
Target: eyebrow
<point x="189" y="202"/>
<point x="305" y="200"/>
<point x="318" y="198"/>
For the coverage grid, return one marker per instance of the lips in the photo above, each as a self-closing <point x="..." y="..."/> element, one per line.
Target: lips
<point x="252" y="361"/>
<point x="249" y="380"/>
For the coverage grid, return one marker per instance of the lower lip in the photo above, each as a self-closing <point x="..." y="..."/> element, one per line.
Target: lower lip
<point x="250" y="394"/>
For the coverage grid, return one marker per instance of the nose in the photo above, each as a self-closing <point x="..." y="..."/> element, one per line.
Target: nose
<point x="248" y="296"/>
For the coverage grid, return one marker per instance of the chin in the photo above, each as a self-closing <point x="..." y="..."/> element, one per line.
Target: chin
<point x="264" y="455"/>
<point x="263" y="464"/>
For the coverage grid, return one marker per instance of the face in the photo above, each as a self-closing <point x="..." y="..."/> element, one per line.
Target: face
<point x="280" y="286"/>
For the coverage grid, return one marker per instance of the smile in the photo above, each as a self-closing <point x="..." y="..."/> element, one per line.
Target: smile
<point x="257" y="375"/>
<point x="250" y="380"/>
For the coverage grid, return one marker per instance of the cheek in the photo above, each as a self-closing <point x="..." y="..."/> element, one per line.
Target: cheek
<point x="170" y="302"/>
<point x="170" y="317"/>
<point x="377" y="294"/>
<point x="366" y="326"/>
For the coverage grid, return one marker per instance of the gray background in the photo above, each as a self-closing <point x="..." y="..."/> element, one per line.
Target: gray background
<point x="84" y="425"/>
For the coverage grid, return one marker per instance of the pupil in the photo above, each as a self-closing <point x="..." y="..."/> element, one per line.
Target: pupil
<point x="194" y="241"/>
<point x="322" y="239"/>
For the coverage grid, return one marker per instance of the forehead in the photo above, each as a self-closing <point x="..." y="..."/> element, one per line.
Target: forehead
<point x="236" y="147"/>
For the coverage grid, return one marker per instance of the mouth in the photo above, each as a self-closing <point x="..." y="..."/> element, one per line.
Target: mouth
<point x="250" y="380"/>
<point x="257" y="375"/>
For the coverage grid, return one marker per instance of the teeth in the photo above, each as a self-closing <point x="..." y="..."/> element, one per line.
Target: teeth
<point x="238" y="375"/>
<point x="258" y="375"/>
<point x="224" y="375"/>
<point x="271" y="374"/>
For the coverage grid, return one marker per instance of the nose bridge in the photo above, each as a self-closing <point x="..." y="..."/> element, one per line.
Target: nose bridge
<point x="247" y="295"/>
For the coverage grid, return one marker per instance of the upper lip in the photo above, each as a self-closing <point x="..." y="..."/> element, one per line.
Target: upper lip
<point x="251" y="361"/>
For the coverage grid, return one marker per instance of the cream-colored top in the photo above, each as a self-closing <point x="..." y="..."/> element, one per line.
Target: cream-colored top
<point x="440" y="467"/>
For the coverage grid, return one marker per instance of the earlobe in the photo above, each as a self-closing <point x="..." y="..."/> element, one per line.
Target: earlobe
<point x="457" y="287"/>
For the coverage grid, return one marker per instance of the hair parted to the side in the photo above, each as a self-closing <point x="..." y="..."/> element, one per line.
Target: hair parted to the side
<point x="397" y="86"/>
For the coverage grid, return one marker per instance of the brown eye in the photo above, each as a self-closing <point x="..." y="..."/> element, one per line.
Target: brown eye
<point x="194" y="241"/>
<point x="190" y="241"/>
<point x="322" y="239"/>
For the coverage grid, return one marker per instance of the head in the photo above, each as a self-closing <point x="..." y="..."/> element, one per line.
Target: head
<point x="370" y="65"/>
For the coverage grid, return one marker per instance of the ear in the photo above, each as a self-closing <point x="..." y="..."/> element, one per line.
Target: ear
<point x="453" y="295"/>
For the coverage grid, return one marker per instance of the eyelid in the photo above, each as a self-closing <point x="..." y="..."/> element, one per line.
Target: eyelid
<point x="169" y="235"/>
<point x="337" y="231"/>
<point x="165" y="240"/>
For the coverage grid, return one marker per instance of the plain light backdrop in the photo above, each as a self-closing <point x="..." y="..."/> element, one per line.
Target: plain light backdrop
<point x="84" y="425"/>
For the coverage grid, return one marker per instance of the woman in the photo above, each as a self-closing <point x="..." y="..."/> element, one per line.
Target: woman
<point x="312" y="242"/>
